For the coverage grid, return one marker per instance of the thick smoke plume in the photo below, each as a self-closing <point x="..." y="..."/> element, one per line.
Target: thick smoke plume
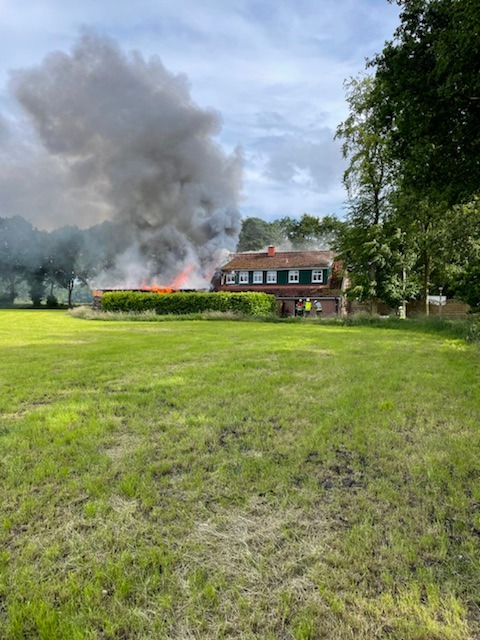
<point x="125" y="131"/>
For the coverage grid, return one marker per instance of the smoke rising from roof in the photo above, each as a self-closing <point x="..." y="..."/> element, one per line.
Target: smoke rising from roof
<point x="124" y="139"/>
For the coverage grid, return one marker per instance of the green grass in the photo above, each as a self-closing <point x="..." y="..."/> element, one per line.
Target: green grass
<point x="237" y="480"/>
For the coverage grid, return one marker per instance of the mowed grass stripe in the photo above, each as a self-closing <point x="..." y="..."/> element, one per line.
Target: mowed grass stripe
<point x="236" y="480"/>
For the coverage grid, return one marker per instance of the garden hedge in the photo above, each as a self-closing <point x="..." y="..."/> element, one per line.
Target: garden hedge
<point x="247" y="303"/>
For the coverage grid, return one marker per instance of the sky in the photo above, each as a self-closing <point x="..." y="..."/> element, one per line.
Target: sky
<point x="272" y="71"/>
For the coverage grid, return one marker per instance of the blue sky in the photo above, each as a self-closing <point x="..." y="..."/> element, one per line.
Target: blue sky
<point x="274" y="71"/>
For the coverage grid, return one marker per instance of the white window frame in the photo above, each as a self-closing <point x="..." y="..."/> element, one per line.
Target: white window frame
<point x="230" y="278"/>
<point x="243" y="277"/>
<point x="317" y="275"/>
<point x="258" y="277"/>
<point x="271" y="277"/>
<point x="294" y="276"/>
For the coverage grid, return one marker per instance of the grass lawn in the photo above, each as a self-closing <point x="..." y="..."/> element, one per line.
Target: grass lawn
<point x="208" y="480"/>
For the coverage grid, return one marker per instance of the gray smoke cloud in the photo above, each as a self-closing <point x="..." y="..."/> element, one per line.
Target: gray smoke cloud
<point x="122" y="134"/>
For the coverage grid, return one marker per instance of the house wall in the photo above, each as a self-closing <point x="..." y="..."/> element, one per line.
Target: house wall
<point x="329" y="306"/>
<point x="452" y="309"/>
<point x="305" y="276"/>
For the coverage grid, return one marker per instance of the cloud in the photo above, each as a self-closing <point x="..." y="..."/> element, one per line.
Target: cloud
<point x="316" y="163"/>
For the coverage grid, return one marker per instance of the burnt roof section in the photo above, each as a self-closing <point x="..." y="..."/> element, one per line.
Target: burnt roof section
<point x="280" y="260"/>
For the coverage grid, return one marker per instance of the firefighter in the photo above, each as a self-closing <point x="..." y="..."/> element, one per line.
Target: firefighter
<point x="308" y="307"/>
<point x="299" y="307"/>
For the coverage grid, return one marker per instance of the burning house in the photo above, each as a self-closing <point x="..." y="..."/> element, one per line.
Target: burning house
<point x="291" y="276"/>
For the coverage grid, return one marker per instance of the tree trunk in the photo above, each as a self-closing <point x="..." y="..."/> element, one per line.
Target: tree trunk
<point x="373" y="284"/>
<point x="404" y="287"/>
<point x="70" y="291"/>
<point x="425" y="283"/>
<point x="12" y="294"/>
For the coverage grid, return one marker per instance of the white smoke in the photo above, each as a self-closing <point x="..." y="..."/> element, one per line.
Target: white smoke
<point x="126" y="132"/>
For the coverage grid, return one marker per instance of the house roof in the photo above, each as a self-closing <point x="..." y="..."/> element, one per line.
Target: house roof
<point x="280" y="260"/>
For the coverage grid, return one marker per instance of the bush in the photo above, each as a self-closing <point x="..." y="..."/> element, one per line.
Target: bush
<point x="179" y="303"/>
<point x="52" y="302"/>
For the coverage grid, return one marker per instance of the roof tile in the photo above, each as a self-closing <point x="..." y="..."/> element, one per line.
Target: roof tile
<point x="281" y="260"/>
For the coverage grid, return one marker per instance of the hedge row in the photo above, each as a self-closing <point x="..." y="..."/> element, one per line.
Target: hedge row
<point x="247" y="303"/>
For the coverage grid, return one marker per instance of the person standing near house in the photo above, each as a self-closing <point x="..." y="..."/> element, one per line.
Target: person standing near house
<point x="308" y="307"/>
<point x="318" y="307"/>
<point x="299" y="307"/>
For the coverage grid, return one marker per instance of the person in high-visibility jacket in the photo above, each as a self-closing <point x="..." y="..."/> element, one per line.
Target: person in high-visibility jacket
<point x="308" y="307"/>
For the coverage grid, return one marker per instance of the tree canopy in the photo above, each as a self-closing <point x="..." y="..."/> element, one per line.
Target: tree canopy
<point x="306" y="232"/>
<point x="35" y="263"/>
<point x="427" y="91"/>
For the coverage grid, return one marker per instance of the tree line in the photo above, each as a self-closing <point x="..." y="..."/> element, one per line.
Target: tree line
<point x="38" y="264"/>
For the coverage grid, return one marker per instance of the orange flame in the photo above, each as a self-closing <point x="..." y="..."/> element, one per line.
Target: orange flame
<point x="182" y="277"/>
<point x="177" y="283"/>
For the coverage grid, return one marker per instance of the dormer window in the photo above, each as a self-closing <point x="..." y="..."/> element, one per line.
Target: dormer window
<point x="271" y="277"/>
<point x="258" y="277"/>
<point x="317" y="275"/>
<point x="243" y="277"/>
<point x="230" y="278"/>
<point x="293" y="277"/>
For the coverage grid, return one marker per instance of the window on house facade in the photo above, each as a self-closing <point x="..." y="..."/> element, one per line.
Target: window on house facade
<point x="317" y="275"/>
<point x="271" y="277"/>
<point x="293" y="276"/>
<point x="258" y="277"/>
<point x="243" y="277"/>
<point x="230" y="279"/>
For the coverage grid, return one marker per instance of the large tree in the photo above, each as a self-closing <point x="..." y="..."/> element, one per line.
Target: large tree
<point x="19" y="254"/>
<point x="366" y="245"/>
<point x="461" y="275"/>
<point x="428" y="88"/>
<point x="65" y="267"/>
<point x="256" y="234"/>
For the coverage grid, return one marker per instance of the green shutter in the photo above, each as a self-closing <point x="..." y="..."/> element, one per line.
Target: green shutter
<point x="305" y="277"/>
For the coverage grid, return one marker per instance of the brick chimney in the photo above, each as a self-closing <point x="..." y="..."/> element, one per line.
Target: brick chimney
<point x="271" y="251"/>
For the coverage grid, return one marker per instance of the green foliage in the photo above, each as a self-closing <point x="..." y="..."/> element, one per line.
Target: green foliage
<point x="312" y="232"/>
<point x="371" y="244"/>
<point x="307" y="232"/>
<point x="467" y="287"/>
<point x="52" y="302"/>
<point x="369" y="177"/>
<point x="245" y="303"/>
<point x="428" y="80"/>
<point x="19" y="255"/>
<point x="256" y="234"/>
<point x="412" y="138"/>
